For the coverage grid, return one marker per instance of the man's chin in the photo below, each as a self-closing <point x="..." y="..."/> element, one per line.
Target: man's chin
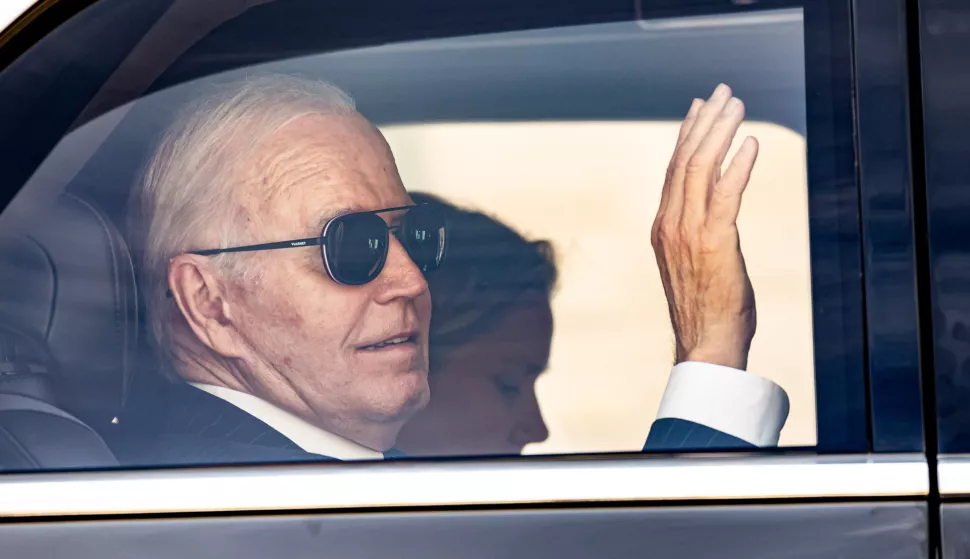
<point x="417" y="398"/>
<point x="389" y="423"/>
<point x="408" y="396"/>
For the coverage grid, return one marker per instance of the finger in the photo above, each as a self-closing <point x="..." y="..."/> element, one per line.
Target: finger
<point x="702" y="123"/>
<point x="727" y="144"/>
<point x="708" y="157"/>
<point x="726" y="198"/>
<point x="685" y="127"/>
<point x="705" y="119"/>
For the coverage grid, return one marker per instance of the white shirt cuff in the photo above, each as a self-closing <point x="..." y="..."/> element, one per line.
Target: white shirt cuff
<point x="735" y="402"/>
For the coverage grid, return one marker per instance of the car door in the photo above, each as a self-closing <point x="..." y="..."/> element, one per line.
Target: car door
<point x="557" y="118"/>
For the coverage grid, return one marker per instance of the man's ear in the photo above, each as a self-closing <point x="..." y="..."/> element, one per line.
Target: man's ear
<point x="199" y="292"/>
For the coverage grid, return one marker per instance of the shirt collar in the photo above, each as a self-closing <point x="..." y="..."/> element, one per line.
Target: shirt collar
<point x="304" y="434"/>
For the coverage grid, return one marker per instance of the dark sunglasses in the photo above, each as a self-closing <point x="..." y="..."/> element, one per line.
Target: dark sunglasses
<point x="354" y="246"/>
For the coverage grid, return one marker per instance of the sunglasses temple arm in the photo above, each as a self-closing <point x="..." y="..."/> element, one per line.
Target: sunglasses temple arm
<point x="312" y="241"/>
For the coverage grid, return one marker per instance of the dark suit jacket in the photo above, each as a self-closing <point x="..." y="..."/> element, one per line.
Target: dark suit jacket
<point x="173" y="423"/>
<point x="176" y="424"/>
<point x="680" y="434"/>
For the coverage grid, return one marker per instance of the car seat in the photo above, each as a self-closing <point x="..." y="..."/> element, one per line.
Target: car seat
<point x="69" y="325"/>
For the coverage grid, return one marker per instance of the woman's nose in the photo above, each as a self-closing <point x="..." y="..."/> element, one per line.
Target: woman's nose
<point x="530" y="428"/>
<point x="527" y="433"/>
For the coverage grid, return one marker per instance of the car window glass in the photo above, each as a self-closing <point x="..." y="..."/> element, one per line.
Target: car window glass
<point x="199" y="275"/>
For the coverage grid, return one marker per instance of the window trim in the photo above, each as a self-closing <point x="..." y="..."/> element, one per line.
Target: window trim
<point x="405" y="484"/>
<point x="953" y="473"/>
<point x="883" y="112"/>
<point x="838" y="299"/>
<point x="35" y="21"/>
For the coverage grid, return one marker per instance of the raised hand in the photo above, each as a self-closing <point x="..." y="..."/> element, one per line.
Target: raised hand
<point x="695" y="236"/>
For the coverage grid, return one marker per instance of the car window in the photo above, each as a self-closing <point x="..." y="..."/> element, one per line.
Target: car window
<point x="256" y="240"/>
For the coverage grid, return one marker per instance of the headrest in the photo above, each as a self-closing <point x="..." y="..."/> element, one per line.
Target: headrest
<point x="69" y="282"/>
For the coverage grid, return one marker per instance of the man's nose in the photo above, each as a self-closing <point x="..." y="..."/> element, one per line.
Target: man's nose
<point x="400" y="277"/>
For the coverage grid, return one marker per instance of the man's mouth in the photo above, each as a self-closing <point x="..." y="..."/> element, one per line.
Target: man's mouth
<point x="390" y="342"/>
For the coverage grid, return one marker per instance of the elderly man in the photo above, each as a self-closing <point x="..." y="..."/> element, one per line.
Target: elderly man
<point x="321" y="349"/>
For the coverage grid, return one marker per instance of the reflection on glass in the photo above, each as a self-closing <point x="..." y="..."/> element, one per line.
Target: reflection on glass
<point x="491" y="331"/>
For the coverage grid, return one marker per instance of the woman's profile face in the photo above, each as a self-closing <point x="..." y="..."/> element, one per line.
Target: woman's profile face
<point x="483" y="397"/>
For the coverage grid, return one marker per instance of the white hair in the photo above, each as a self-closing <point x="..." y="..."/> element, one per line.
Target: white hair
<point x="185" y="193"/>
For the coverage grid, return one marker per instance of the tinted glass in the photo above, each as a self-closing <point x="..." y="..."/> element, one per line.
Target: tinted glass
<point x="424" y="236"/>
<point x="605" y="285"/>
<point x="356" y="247"/>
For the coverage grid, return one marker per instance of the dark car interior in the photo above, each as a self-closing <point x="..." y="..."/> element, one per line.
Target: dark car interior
<point x="70" y="332"/>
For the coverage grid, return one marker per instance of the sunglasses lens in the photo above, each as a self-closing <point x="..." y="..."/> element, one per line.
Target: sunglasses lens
<point x="423" y="235"/>
<point x="356" y="248"/>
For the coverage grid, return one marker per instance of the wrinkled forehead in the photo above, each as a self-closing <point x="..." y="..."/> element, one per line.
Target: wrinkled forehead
<point x="320" y="166"/>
